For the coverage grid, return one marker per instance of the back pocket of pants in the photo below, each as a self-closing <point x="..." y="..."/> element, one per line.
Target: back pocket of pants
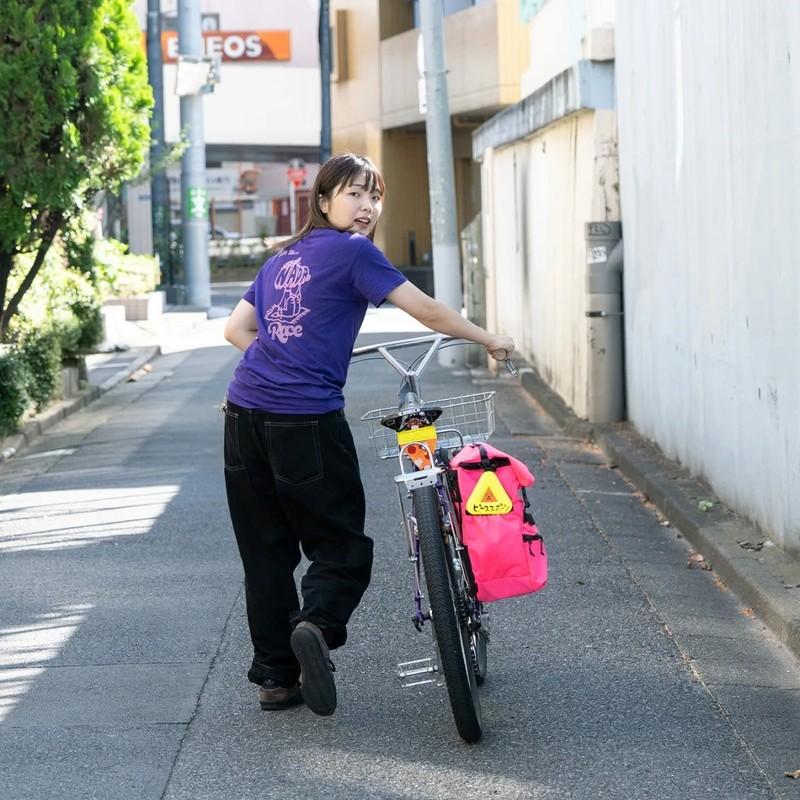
<point x="294" y="451"/>
<point x="233" y="456"/>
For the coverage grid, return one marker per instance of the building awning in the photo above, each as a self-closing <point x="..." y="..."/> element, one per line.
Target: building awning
<point x="585" y="85"/>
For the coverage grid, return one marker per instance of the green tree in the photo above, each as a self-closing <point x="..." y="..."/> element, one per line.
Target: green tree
<point x="75" y="104"/>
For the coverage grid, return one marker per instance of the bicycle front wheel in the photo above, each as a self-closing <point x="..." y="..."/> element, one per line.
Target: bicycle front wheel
<point x="452" y="634"/>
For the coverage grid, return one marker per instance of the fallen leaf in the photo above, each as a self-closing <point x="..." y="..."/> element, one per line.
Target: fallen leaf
<point x="795" y="775"/>
<point x="140" y="373"/>
<point x="705" y="505"/>
<point x="748" y="612"/>
<point x="707" y="567"/>
<point x="664" y="523"/>
<point x="753" y="546"/>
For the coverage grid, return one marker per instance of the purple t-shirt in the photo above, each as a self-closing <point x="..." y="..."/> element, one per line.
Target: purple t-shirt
<point x="310" y="301"/>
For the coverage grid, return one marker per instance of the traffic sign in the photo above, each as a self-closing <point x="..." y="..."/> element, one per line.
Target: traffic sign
<point x="296" y="171"/>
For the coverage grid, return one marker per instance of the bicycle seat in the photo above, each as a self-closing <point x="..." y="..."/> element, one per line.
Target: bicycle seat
<point x="397" y="420"/>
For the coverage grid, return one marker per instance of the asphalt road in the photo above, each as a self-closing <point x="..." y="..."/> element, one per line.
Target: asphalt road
<point x="123" y="645"/>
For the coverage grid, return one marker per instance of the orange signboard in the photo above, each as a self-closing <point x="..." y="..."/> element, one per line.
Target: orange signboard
<point x="236" y="46"/>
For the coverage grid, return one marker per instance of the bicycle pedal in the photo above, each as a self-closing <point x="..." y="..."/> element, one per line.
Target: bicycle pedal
<point x="418" y="672"/>
<point x="419" y="621"/>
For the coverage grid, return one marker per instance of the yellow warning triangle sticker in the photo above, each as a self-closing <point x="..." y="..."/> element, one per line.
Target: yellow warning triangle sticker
<point x="489" y="496"/>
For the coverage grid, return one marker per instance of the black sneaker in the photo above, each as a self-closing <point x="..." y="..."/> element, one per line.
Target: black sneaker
<point x="272" y="696"/>
<point x="316" y="668"/>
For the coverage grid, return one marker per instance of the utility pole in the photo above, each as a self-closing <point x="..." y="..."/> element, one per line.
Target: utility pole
<point x="325" y="77"/>
<point x="441" y="177"/>
<point x="194" y="197"/>
<point x="159" y="187"/>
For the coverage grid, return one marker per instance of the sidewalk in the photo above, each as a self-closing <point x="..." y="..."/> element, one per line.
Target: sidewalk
<point x="138" y="343"/>
<point x="765" y="578"/>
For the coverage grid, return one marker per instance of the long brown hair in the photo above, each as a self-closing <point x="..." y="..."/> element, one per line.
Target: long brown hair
<point x="337" y="173"/>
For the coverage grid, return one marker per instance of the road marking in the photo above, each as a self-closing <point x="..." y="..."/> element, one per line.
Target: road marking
<point x="68" y="451"/>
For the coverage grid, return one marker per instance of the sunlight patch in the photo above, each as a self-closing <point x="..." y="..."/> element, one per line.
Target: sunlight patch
<point x="390" y="320"/>
<point x="71" y="518"/>
<point x="26" y="649"/>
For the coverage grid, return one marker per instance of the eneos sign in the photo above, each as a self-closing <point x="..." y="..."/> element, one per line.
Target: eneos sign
<point x="237" y="46"/>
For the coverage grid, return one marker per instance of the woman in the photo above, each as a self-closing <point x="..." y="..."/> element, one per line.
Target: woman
<point x="291" y="470"/>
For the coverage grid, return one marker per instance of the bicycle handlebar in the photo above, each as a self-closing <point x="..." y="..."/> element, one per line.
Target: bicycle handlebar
<point x="397" y="344"/>
<point x="436" y="340"/>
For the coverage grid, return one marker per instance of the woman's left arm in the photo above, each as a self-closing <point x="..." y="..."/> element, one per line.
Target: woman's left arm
<point x="242" y="326"/>
<point x="439" y="317"/>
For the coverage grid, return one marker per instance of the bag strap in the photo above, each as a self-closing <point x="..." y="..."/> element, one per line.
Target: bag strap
<point x="530" y="538"/>
<point x="486" y="463"/>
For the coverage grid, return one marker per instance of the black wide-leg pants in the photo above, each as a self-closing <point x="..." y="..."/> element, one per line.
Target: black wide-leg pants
<point x="293" y="482"/>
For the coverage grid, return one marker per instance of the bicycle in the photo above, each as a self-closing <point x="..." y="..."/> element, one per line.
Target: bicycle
<point x="423" y="437"/>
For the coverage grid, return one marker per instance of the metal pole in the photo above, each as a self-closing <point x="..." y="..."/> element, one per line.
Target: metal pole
<point x="194" y="198"/>
<point x="159" y="187"/>
<point x="605" y="329"/>
<point x="325" y="77"/>
<point x="292" y="208"/>
<point x="441" y="177"/>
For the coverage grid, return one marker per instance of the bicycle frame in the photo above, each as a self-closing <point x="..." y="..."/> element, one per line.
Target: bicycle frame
<point x="412" y="476"/>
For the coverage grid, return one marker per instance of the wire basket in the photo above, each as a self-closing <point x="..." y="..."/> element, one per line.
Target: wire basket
<point x="472" y="415"/>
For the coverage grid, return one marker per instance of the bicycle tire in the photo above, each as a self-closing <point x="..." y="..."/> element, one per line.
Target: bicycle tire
<point x="452" y="640"/>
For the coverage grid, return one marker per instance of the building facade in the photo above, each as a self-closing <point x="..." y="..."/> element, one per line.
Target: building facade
<point x="376" y="101"/>
<point x="264" y="112"/>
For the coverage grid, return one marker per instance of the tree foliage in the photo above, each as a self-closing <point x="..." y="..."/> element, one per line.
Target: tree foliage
<point x="75" y="102"/>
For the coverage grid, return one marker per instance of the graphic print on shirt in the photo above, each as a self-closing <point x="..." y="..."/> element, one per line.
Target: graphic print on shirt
<point x="284" y="315"/>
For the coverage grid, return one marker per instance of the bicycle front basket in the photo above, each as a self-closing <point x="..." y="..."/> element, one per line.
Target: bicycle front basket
<point x="472" y="415"/>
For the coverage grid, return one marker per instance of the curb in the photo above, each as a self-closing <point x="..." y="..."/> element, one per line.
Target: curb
<point x="764" y="577"/>
<point x="35" y="427"/>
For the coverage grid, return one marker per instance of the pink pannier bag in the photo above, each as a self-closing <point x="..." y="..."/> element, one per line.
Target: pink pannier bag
<point x="505" y="548"/>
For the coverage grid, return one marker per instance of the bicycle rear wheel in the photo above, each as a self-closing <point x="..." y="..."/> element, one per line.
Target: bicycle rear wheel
<point x="452" y="635"/>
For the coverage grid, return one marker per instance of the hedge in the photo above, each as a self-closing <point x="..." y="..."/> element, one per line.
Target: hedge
<point x="13" y="394"/>
<point x="58" y="321"/>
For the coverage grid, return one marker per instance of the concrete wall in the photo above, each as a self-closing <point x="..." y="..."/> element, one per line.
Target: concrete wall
<point x="486" y="53"/>
<point x="549" y="165"/>
<point x="538" y="193"/>
<point x="709" y="132"/>
<point x="356" y="101"/>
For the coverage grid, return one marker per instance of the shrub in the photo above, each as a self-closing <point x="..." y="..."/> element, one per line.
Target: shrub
<point x="13" y="397"/>
<point x="79" y="244"/>
<point x="63" y="300"/>
<point x="122" y="274"/>
<point x="40" y="350"/>
<point x="90" y="320"/>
